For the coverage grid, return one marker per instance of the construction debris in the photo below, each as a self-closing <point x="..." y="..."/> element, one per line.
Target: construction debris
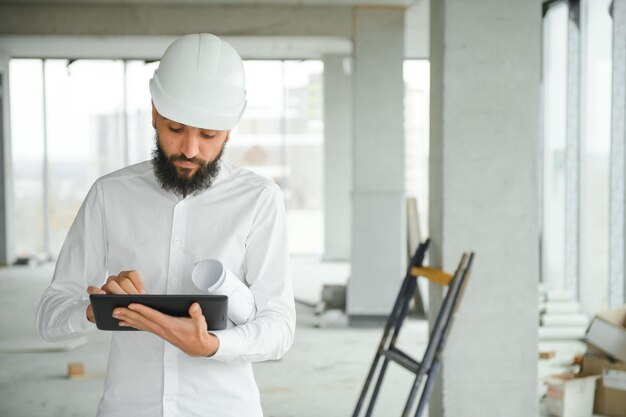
<point x="75" y="370"/>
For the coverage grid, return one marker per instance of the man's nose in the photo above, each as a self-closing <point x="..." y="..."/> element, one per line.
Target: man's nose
<point x="189" y="145"/>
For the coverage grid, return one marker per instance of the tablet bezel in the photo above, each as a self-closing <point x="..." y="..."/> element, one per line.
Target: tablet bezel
<point x="214" y="307"/>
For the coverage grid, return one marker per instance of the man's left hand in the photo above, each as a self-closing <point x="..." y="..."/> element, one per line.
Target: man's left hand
<point x="189" y="334"/>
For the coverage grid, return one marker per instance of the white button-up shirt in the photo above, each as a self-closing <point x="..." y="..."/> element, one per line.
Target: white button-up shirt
<point x="128" y="222"/>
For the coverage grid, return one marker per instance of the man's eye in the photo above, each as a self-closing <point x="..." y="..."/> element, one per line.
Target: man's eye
<point x="175" y="129"/>
<point x="207" y="136"/>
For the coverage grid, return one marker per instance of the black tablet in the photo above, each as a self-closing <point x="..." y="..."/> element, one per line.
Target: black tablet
<point x="214" y="307"/>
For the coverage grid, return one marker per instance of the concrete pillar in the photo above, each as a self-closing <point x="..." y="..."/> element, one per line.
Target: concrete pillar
<point x="378" y="207"/>
<point x="416" y="30"/>
<point x="6" y="172"/>
<point x="337" y="157"/>
<point x="485" y="68"/>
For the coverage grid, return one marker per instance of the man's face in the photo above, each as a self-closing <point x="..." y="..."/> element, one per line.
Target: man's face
<point x="186" y="158"/>
<point x="188" y="147"/>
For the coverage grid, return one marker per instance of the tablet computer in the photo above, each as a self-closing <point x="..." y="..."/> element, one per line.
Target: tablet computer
<point x="214" y="307"/>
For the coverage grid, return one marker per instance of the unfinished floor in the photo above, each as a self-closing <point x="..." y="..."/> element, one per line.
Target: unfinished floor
<point x="321" y="376"/>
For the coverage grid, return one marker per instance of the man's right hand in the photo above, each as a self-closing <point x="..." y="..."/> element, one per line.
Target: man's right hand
<point x="127" y="282"/>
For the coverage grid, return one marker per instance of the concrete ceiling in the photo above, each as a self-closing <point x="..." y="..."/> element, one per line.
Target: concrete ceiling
<point x="234" y="2"/>
<point x="260" y="29"/>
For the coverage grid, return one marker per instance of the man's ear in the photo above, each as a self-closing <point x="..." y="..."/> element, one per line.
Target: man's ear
<point x="227" y="136"/>
<point x="154" y="115"/>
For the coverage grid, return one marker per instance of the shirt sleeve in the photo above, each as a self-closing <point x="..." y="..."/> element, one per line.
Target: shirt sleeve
<point x="266" y="265"/>
<point x="82" y="262"/>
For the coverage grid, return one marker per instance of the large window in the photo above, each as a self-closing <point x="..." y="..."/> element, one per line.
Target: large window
<point x="281" y="137"/>
<point x="595" y="154"/>
<point x="554" y="137"/>
<point x="67" y="129"/>
<point x="563" y="55"/>
<point x="85" y="138"/>
<point x="139" y="129"/>
<point x="416" y="130"/>
<point x="27" y="125"/>
<point x="73" y="121"/>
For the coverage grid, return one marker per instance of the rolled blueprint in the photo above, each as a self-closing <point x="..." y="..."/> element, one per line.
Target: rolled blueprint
<point x="213" y="277"/>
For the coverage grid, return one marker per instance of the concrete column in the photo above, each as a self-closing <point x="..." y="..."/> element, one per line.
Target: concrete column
<point x="6" y="172"/>
<point x="485" y="67"/>
<point x="337" y="157"/>
<point x="378" y="207"/>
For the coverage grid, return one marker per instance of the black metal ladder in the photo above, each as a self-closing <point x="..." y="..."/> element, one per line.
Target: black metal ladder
<point x="430" y="364"/>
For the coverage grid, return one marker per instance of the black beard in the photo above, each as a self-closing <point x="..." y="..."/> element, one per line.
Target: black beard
<point x="169" y="178"/>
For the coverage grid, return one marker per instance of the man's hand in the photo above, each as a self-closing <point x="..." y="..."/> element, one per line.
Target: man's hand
<point x="92" y="290"/>
<point x="127" y="282"/>
<point x="189" y="334"/>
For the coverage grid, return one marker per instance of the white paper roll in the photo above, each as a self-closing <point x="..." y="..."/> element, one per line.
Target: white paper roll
<point x="213" y="277"/>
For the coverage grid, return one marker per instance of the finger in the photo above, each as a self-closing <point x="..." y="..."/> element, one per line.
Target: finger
<point x="111" y="278"/>
<point x="95" y="290"/>
<point x="89" y="314"/>
<point x="136" y="320"/>
<point x="134" y="326"/>
<point x="112" y="287"/>
<point x="124" y="324"/>
<point x="195" y="311"/>
<point x="127" y="285"/>
<point x="150" y="313"/>
<point x="136" y="280"/>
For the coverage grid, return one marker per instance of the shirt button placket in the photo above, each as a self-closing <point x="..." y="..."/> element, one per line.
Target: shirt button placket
<point x="178" y="225"/>
<point x="170" y="372"/>
<point x="170" y="379"/>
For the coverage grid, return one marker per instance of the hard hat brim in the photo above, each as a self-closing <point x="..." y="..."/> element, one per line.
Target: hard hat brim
<point x="179" y="112"/>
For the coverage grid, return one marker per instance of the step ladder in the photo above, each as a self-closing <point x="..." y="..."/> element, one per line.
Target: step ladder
<point x="431" y="361"/>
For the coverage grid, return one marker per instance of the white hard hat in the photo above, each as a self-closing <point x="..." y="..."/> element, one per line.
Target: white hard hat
<point x="200" y="82"/>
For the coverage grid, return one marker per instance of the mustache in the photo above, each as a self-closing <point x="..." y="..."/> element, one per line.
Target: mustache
<point x="183" y="158"/>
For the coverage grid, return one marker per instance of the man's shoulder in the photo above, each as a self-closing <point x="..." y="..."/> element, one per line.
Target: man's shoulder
<point x="140" y="170"/>
<point x="248" y="178"/>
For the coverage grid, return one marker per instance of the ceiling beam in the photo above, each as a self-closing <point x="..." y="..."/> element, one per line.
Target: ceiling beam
<point x="152" y="47"/>
<point x="27" y="18"/>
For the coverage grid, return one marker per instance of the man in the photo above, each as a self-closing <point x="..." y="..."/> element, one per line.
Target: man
<point x="145" y="226"/>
